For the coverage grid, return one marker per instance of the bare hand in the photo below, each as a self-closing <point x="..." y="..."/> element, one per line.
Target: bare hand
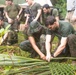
<point x="26" y="26"/>
<point x="48" y="57"/>
<point x="34" y="20"/>
<point x="10" y="21"/>
<point x="17" y="17"/>
<point x="43" y="57"/>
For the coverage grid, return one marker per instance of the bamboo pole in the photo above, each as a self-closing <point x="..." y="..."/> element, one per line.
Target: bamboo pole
<point x="60" y="58"/>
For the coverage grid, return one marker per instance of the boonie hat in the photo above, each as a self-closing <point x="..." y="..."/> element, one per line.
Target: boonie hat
<point x="35" y="26"/>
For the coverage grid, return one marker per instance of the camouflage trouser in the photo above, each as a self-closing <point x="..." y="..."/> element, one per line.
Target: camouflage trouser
<point x="14" y="25"/>
<point x="12" y="37"/>
<point x="72" y="44"/>
<point x="25" y="33"/>
<point x="26" y="46"/>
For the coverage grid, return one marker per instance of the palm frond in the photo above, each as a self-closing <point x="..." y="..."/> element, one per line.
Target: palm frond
<point x="17" y="65"/>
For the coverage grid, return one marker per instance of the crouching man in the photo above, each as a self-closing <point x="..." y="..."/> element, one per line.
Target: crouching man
<point x="33" y="44"/>
<point x="65" y="33"/>
<point x="7" y="36"/>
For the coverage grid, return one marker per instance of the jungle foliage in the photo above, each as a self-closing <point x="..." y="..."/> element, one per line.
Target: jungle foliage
<point x="14" y="61"/>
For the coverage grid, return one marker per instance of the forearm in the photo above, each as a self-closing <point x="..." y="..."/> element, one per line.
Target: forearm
<point x="38" y="15"/>
<point x="4" y="37"/>
<point x="26" y="21"/>
<point x="20" y="12"/>
<point x="48" y="53"/>
<point x="6" y="14"/>
<point x="59" y="50"/>
<point x="37" y="49"/>
<point x="48" y="47"/>
<point x="61" y="46"/>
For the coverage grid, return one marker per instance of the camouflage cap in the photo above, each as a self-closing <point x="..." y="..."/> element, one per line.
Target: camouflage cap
<point x="35" y="27"/>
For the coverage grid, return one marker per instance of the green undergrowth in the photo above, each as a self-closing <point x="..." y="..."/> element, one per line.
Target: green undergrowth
<point x="14" y="61"/>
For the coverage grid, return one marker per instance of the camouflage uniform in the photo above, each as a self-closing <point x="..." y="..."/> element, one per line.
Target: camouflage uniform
<point x="12" y="35"/>
<point x="35" y="31"/>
